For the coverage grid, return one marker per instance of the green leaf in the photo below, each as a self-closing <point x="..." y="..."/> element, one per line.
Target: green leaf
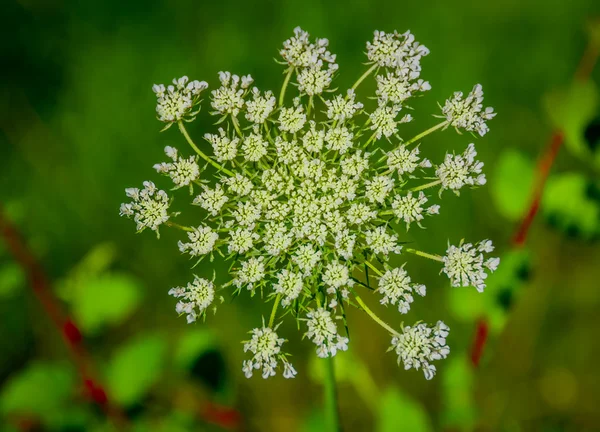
<point x="135" y="368"/>
<point x="192" y="345"/>
<point x="398" y="412"/>
<point x="42" y="390"/>
<point x="459" y="409"/>
<point x="105" y="300"/>
<point x="12" y="278"/>
<point x="567" y="205"/>
<point x="315" y="422"/>
<point x="570" y="110"/>
<point x="513" y="179"/>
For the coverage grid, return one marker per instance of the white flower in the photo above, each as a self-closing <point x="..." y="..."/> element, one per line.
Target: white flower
<point x="212" y="200"/>
<point x="252" y="271"/>
<point x="354" y="165"/>
<point x="410" y="209"/>
<point x="265" y="347"/>
<point x="239" y="184"/>
<point x="313" y="139"/>
<point x="360" y="213"/>
<point x="292" y="119"/>
<point x="149" y="207"/>
<point x="306" y="258"/>
<point x="339" y="139"/>
<point x="224" y="148"/>
<point x="246" y="213"/>
<point x="459" y="170"/>
<point x="419" y="345"/>
<point x="383" y="120"/>
<point x="381" y="242"/>
<point x="399" y="51"/>
<point x="182" y="171"/>
<point x="254" y="146"/>
<point x="397" y="289"/>
<point x="468" y="113"/>
<point x="195" y="297"/>
<point x="289" y="285"/>
<point x="202" y="241"/>
<point x="378" y="188"/>
<point x="175" y="102"/>
<point x="323" y="332"/>
<point x="314" y="79"/>
<point x="336" y="275"/>
<point x="260" y="107"/>
<point x="277" y="238"/>
<point x="299" y="52"/>
<point x="465" y="265"/>
<point x="287" y="152"/>
<point x="228" y="99"/>
<point x="241" y="240"/>
<point x="342" y="108"/>
<point x="344" y="243"/>
<point x="404" y="161"/>
<point x="396" y="89"/>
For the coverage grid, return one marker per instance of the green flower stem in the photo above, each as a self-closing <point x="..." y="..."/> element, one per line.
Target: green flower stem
<point x="236" y="126"/>
<point x="375" y="317"/>
<point x="181" y="227"/>
<point x="331" y="406"/>
<point x="310" y="104"/>
<point x="372" y="267"/>
<point x="427" y="132"/>
<point x="363" y="77"/>
<point x="274" y="310"/>
<point x="425" y="254"/>
<point x="426" y="186"/>
<point x="285" y="84"/>
<point x="200" y="152"/>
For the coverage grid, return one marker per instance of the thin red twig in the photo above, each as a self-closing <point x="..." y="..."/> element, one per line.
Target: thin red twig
<point x="544" y="165"/>
<point x="71" y="335"/>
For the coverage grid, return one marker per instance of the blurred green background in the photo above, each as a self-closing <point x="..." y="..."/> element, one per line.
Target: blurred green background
<point x="77" y="126"/>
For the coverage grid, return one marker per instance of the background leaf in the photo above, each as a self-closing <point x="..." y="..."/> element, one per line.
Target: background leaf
<point x="513" y="178"/>
<point x="398" y="412"/>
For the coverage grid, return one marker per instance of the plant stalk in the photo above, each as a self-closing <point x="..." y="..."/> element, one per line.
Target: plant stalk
<point x="332" y="416"/>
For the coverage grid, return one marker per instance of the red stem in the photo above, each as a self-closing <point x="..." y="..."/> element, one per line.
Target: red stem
<point x="42" y="289"/>
<point x="544" y="165"/>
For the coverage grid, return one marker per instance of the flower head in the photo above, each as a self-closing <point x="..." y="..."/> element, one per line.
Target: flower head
<point x="195" y="298"/>
<point x="322" y="331"/>
<point x="459" y="170"/>
<point x="397" y="289"/>
<point x="409" y="208"/>
<point x="177" y="101"/>
<point x="468" y="113"/>
<point x="265" y="347"/>
<point x="420" y="345"/>
<point x="149" y="206"/>
<point x="465" y="264"/>
<point x="229" y="98"/>
<point x="202" y="241"/>
<point x="182" y="171"/>
<point x="260" y="107"/>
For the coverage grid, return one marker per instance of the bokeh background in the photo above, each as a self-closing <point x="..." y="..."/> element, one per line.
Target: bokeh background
<point x="77" y="126"/>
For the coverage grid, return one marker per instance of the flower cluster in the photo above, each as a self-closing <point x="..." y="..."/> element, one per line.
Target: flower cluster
<point x="304" y="200"/>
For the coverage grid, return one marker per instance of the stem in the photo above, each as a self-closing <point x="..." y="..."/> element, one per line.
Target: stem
<point x="375" y="317"/>
<point x="274" y="310"/>
<point x="427" y="132"/>
<point x="372" y="267"/>
<point x="236" y="126"/>
<point x="200" y="152"/>
<point x="310" y="103"/>
<point x="178" y="226"/>
<point x="363" y="76"/>
<point x="425" y="254"/>
<point x="285" y="84"/>
<point x="331" y="406"/>
<point x="426" y="186"/>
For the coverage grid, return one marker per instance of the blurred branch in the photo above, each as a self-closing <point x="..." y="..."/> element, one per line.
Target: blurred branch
<point x="42" y="289"/>
<point x="545" y="162"/>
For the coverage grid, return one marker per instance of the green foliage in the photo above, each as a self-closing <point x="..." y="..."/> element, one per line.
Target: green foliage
<point x="399" y="412"/>
<point x="512" y="182"/>
<point x="192" y="345"/>
<point x="135" y="367"/>
<point x="459" y="408"/>
<point x="12" y="279"/>
<point x="568" y="204"/>
<point x="106" y="300"/>
<point x="42" y="390"/>
<point x="570" y="110"/>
